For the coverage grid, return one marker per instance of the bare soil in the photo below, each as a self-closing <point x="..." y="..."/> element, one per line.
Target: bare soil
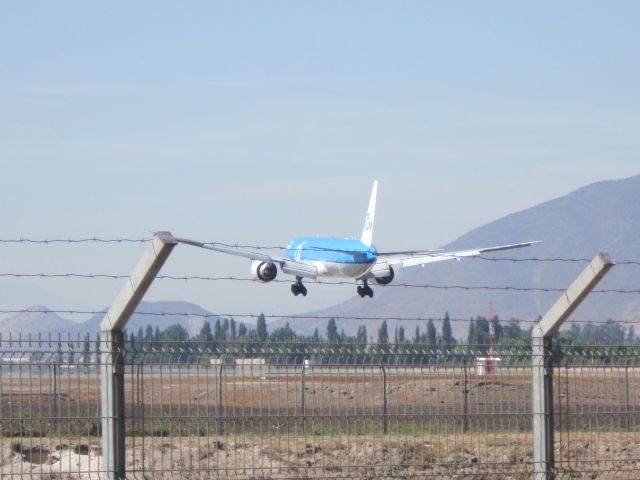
<point x="265" y="422"/>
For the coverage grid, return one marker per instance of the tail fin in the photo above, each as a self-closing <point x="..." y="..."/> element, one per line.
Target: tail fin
<point x="367" y="232"/>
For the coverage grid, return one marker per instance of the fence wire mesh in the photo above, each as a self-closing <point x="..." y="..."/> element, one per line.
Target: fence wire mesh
<point x="49" y="408"/>
<point x="316" y="410"/>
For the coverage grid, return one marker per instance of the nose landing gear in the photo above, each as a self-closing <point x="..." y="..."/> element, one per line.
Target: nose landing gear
<point x="365" y="290"/>
<point x="298" y="288"/>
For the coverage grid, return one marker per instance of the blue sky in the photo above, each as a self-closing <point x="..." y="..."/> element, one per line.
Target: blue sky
<point x="253" y="122"/>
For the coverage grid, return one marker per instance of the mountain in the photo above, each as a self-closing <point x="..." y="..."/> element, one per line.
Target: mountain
<point x="602" y="217"/>
<point x="160" y="314"/>
<point x="36" y="320"/>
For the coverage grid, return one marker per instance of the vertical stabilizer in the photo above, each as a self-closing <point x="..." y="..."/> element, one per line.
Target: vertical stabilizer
<point x="367" y="232"/>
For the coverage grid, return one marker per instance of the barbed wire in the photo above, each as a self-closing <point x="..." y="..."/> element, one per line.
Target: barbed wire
<point x="74" y="240"/>
<point x="313" y="282"/>
<point x="64" y="275"/>
<point x="281" y="247"/>
<point x="295" y="316"/>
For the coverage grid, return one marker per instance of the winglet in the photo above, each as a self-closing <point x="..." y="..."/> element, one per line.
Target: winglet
<point x="367" y="232"/>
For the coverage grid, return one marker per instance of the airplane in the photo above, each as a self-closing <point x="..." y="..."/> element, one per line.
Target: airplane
<point x="313" y="257"/>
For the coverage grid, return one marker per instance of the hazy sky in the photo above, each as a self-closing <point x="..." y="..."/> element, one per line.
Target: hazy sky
<point x="253" y="122"/>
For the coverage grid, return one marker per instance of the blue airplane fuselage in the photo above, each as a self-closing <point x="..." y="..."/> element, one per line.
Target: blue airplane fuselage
<point x="333" y="257"/>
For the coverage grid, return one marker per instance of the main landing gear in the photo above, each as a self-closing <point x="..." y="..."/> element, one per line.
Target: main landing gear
<point x="298" y="288"/>
<point x="365" y="290"/>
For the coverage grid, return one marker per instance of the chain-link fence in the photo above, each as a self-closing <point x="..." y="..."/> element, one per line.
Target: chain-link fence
<point x="316" y="410"/>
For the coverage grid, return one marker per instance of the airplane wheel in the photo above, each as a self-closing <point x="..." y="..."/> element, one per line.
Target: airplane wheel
<point x="298" y="289"/>
<point x="365" y="291"/>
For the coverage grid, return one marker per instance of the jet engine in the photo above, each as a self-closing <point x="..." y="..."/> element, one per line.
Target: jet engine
<point x="384" y="280"/>
<point x="262" y="271"/>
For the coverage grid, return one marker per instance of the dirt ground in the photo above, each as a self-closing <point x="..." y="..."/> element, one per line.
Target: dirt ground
<point x="271" y="423"/>
<point x="509" y="457"/>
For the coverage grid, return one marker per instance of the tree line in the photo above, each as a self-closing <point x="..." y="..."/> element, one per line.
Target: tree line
<point x="228" y="331"/>
<point x="229" y="336"/>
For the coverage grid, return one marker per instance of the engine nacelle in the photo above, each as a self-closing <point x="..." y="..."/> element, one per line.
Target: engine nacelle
<point x="263" y="272"/>
<point x="386" y="280"/>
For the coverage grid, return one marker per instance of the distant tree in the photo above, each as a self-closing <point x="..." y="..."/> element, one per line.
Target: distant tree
<point x="498" y="328"/>
<point x="589" y="333"/>
<point x="609" y="332"/>
<point x="98" y="349"/>
<point x="631" y="334"/>
<point x="471" y="333"/>
<point x="261" y="328"/>
<point x="242" y="330"/>
<point x="156" y="336"/>
<point x="282" y="334"/>
<point x="361" y="335"/>
<point x="447" y="337"/>
<point x="70" y="353"/>
<point x="401" y="338"/>
<point x="431" y="333"/>
<point x="175" y="333"/>
<point x="481" y="331"/>
<point x="86" y="350"/>
<point x="512" y="331"/>
<point x="232" y="328"/>
<point x="332" y="331"/>
<point x="148" y="334"/>
<point x="59" y="355"/>
<point x="416" y="335"/>
<point x="383" y="333"/>
<point x="218" y="333"/>
<point x="612" y="332"/>
<point x="205" y="337"/>
<point x="225" y="328"/>
<point x="316" y="335"/>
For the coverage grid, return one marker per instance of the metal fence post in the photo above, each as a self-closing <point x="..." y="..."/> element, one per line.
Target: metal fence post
<point x="626" y="386"/>
<point x="220" y="412"/>
<point x="465" y="405"/>
<point x="302" y="386"/>
<point x="112" y="368"/>
<point x="56" y="392"/>
<point x="385" y="413"/>
<point x="542" y="405"/>
<point x="541" y="371"/>
<point x="112" y="395"/>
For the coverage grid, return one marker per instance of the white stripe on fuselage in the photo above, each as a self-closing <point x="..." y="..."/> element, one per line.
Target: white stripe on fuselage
<point x="340" y="270"/>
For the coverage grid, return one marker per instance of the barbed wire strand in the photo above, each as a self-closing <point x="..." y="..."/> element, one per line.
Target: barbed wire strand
<point x="313" y="282"/>
<point x="47" y="241"/>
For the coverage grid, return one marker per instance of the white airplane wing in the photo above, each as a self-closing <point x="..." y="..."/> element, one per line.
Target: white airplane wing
<point x="261" y="257"/>
<point x="299" y="269"/>
<point x="395" y="260"/>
